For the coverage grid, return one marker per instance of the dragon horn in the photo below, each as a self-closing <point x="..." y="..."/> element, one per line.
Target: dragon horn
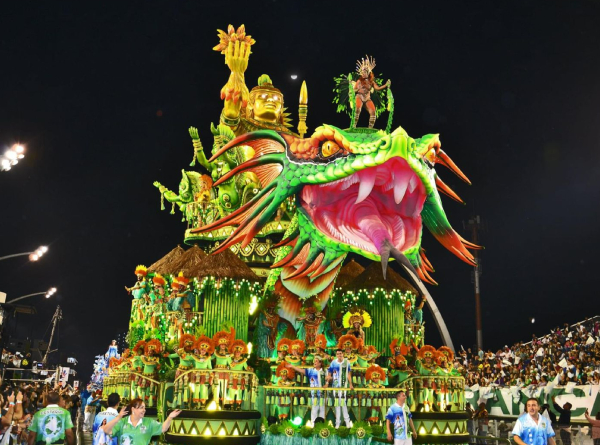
<point x="449" y="163"/>
<point x="240" y="140"/>
<point x="265" y="159"/>
<point x="443" y="187"/>
<point x="426" y="263"/>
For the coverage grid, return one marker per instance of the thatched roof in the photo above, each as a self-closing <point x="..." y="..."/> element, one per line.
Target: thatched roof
<point x="163" y="266"/>
<point x="188" y="262"/>
<point x="348" y="273"/>
<point x="372" y="277"/>
<point x="224" y="265"/>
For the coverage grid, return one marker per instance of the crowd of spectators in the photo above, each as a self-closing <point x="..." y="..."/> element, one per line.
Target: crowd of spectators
<point x="20" y="402"/>
<point x="569" y="354"/>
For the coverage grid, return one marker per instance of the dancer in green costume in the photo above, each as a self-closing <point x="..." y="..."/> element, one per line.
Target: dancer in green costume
<point x="238" y="382"/>
<point x="202" y="362"/>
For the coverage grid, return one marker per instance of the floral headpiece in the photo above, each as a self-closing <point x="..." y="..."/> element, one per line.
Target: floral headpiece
<point x="152" y="345"/>
<point x="224" y="338"/>
<point x="299" y="346"/>
<point x="203" y="340"/>
<point x="375" y="372"/>
<point x="346" y="340"/>
<point x="282" y="369"/>
<point x="321" y="341"/>
<point x="240" y="345"/>
<point x="427" y="351"/>
<point x="284" y="344"/>
<point x="362" y="317"/>
<point x="447" y="352"/>
<point x="141" y="270"/>
<point x="187" y="338"/>
<point x="159" y="280"/>
<point x="139" y="347"/>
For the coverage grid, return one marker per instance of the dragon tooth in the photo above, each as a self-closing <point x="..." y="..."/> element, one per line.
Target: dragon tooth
<point x="401" y="180"/>
<point x="412" y="184"/>
<point x="367" y="182"/>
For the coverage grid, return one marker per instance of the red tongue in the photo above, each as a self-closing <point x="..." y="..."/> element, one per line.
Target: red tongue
<point x="367" y="217"/>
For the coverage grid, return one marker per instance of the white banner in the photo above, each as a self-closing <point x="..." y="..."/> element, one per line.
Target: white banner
<point x="510" y="402"/>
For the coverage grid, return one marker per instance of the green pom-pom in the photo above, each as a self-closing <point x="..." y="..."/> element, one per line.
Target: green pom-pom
<point x="377" y="430"/>
<point x="343" y="431"/>
<point x="306" y="431"/>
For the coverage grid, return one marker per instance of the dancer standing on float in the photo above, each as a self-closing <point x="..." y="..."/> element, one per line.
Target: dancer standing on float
<point x="137" y="366"/>
<point x="139" y="290"/>
<point x="202" y="361"/>
<point x="222" y="341"/>
<point x="285" y="379"/>
<point x="311" y="322"/>
<point x="340" y="376"/>
<point x="363" y="87"/>
<point x="375" y="377"/>
<point x="185" y="355"/>
<point x="317" y="377"/>
<point x="150" y="359"/>
<point x="238" y="382"/>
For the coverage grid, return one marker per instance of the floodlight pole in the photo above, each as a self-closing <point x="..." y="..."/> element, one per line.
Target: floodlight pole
<point x="475" y="224"/>
<point x="55" y="319"/>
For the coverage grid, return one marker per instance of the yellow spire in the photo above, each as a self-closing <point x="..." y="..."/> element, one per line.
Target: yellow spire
<point x="303" y="110"/>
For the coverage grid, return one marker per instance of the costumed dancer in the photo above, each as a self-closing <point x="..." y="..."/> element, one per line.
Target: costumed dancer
<point x="365" y="358"/>
<point x="150" y="360"/>
<point x="182" y="377"/>
<point x="375" y="376"/>
<point x="157" y="295"/>
<point x="113" y="351"/>
<point x="285" y="379"/>
<point x="139" y="291"/>
<point x="296" y="357"/>
<point x="319" y="349"/>
<point x="311" y="322"/>
<point x="137" y="366"/>
<point x="426" y="366"/>
<point x="239" y="382"/>
<point x="283" y="347"/>
<point x="349" y="344"/>
<point x="124" y="370"/>
<point x="222" y="341"/>
<point x="445" y="362"/>
<point x="202" y="361"/>
<point x="339" y="374"/>
<point x="269" y="322"/>
<point x="355" y="320"/>
<point x="363" y="87"/>
<point x="317" y="377"/>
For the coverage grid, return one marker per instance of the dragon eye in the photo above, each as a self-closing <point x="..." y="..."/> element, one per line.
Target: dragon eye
<point x="329" y="148"/>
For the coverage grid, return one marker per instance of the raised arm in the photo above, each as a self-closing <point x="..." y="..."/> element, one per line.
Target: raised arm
<point x="108" y="428"/>
<point x="167" y="422"/>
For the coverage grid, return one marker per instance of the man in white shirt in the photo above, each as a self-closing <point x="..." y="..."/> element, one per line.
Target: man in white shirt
<point x="399" y="417"/>
<point x="532" y="428"/>
<point x="339" y="373"/>
<point x="100" y="438"/>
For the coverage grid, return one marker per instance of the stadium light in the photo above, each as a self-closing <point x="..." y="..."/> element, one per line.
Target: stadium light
<point x="33" y="256"/>
<point x="48" y="294"/>
<point x="11" y="157"/>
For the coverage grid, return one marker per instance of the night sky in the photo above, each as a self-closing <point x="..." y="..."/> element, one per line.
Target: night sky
<point x="102" y="95"/>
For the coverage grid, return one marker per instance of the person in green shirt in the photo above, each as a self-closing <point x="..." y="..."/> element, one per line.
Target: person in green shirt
<point x="51" y="425"/>
<point x="136" y="429"/>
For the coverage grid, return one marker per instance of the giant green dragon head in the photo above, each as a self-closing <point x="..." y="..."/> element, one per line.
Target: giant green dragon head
<point x="360" y="191"/>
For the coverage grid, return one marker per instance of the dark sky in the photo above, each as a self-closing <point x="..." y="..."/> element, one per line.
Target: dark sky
<point x="512" y="87"/>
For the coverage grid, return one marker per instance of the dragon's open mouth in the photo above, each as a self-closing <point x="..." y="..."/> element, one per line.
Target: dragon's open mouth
<point x="368" y="207"/>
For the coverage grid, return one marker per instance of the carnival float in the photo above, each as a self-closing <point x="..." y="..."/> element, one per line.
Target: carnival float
<point x="226" y="329"/>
